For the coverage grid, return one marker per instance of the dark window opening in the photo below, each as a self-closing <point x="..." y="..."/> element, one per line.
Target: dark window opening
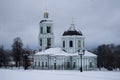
<point x="79" y="44"/>
<point x="71" y="43"/>
<point x="63" y="43"/>
<point x="38" y="63"/>
<point x="90" y="64"/>
<point x="48" y="42"/>
<point x="74" y="65"/>
<point x="42" y="64"/>
<point x="54" y="65"/>
<point x="46" y="64"/>
<point x="40" y="42"/>
<point x="68" y="64"/>
<point x="41" y="30"/>
<point x="48" y="29"/>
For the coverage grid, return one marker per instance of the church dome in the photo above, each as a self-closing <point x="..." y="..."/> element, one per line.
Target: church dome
<point x="75" y="32"/>
<point x="72" y="31"/>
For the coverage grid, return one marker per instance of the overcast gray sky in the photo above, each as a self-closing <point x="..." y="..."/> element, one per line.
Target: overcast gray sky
<point x="98" y="20"/>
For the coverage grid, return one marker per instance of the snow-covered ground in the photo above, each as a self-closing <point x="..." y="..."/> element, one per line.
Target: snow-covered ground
<point x="20" y="74"/>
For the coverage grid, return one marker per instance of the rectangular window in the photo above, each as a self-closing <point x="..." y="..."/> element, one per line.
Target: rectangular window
<point x="90" y="64"/>
<point x="74" y="65"/>
<point x="39" y="64"/>
<point x="48" y="42"/>
<point x="46" y="64"/>
<point x="71" y="43"/>
<point x="41" y="29"/>
<point x="48" y="29"/>
<point x="42" y="64"/>
<point x="40" y="42"/>
<point x="68" y="64"/>
<point x="63" y="43"/>
<point x="79" y="44"/>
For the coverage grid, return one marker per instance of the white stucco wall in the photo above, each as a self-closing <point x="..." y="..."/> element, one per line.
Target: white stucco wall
<point x="61" y="62"/>
<point x="75" y="40"/>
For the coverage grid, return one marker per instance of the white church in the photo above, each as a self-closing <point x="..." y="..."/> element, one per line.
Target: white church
<point x="71" y="56"/>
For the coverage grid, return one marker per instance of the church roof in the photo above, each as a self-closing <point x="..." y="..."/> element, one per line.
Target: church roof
<point x="72" y="31"/>
<point x="59" y="51"/>
<point x="52" y="51"/>
<point x="45" y="21"/>
<point x="87" y="53"/>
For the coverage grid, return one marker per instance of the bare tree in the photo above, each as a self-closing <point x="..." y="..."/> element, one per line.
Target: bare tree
<point x="4" y="57"/>
<point x="108" y="56"/>
<point x="17" y="51"/>
<point x="1" y="55"/>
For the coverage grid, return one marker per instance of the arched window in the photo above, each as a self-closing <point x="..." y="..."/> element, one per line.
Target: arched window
<point x="71" y="43"/>
<point x="63" y="43"/>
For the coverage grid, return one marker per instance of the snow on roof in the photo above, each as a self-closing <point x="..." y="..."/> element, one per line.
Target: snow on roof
<point x="52" y="51"/>
<point x="89" y="53"/>
<point x="59" y="51"/>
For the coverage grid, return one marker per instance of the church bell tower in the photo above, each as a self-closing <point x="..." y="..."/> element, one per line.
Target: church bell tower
<point x="46" y="36"/>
